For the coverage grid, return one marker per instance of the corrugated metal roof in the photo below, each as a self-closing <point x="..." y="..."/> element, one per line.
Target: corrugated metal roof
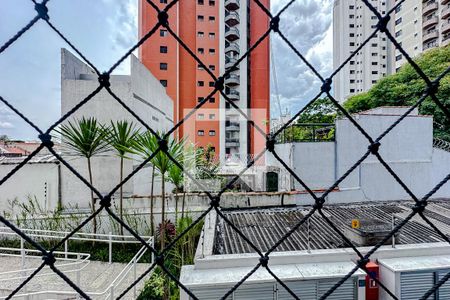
<point x="265" y="226"/>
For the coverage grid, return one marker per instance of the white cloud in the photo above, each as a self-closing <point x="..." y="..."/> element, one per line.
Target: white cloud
<point x="307" y="24"/>
<point x="6" y="125"/>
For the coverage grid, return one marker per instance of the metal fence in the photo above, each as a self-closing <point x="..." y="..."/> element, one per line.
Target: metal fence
<point x="374" y="144"/>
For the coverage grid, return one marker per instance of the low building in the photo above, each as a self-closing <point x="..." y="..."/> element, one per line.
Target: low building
<point x="315" y="257"/>
<point x="141" y="92"/>
<point x="409" y="149"/>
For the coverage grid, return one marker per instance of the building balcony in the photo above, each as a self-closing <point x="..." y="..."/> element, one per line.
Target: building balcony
<point x="428" y="22"/>
<point x="445" y="41"/>
<point x="232" y="94"/>
<point x="429" y="8"/>
<point x="231" y="33"/>
<point x="232" y="80"/>
<point x="232" y="18"/>
<point x="230" y="142"/>
<point x="232" y="4"/>
<point x="230" y="62"/>
<point x="443" y="2"/>
<point x="445" y="13"/>
<point x="445" y="28"/>
<point x="232" y="48"/>
<point x="232" y="126"/>
<point x="430" y="36"/>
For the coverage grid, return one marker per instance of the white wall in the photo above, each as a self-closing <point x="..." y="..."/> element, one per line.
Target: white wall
<point x="407" y="149"/>
<point x="38" y="180"/>
<point x="142" y="93"/>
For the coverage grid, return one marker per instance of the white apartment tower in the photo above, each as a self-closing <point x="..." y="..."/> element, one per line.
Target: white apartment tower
<point x="353" y="23"/>
<point x="418" y="25"/>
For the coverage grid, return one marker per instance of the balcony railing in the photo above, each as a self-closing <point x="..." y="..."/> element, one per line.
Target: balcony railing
<point x="430" y="21"/>
<point x="231" y="33"/>
<point x="230" y="62"/>
<point x="445" y="12"/>
<point x="232" y="18"/>
<point x="428" y="36"/>
<point x="232" y="126"/>
<point x="445" y="28"/>
<point x="429" y="8"/>
<point x="232" y="48"/>
<point x="232" y="94"/>
<point x="232" y="4"/>
<point x="232" y="80"/>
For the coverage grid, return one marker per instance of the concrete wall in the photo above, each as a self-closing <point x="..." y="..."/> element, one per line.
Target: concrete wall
<point x="142" y="93"/>
<point x="407" y="149"/>
<point x="35" y="180"/>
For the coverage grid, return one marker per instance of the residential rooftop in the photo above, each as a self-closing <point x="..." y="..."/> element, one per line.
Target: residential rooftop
<point x="265" y="226"/>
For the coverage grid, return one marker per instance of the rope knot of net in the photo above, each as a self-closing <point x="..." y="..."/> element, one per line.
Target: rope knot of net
<point x="275" y="24"/>
<point x="42" y="11"/>
<point x="103" y="79"/>
<point x="319" y="203"/>
<point x="46" y="140"/>
<point x="219" y="84"/>
<point x="49" y="259"/>
<point x="162" y="143"/>
<point x="270" y="144"/>
<point x="420" y="206"/>
<point x="326" y="86"/>
<point x="363" y="262"/>
<point x="159" y="260"/>
<point x="433" y="88"/>
<point x="374" y="148"/>
<point x="264" y="261"/>
<point x="163" y="18"/>
<point x="383" y="22"/>
<point x="106" y="201"/>
<point x="215" y="202"/>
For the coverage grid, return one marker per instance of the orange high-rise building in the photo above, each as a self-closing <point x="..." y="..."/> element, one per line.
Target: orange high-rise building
<point x="218" y="32"/>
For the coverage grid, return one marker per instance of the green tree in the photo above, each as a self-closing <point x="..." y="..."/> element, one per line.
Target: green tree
<point x="406" y="87"/>
<point x="85" y="137"/>
<point x="121" y="136"/>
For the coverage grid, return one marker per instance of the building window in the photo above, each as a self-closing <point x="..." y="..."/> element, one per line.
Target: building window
<point x="200" y="34"/>
<point x="398" y="57"/>
<point x="212" y="100"/>
<point x="212" y="51"/>
<point x="155" y="119"/>
<point x="200" y="116"/>
<point x="212" y="3"/>
<point x="200" y="83"/>
<point x="398" y="21"/>
<point x="212" y="116"/>
<point x="200" y="2"/>
<point x="374" y="72"/>
<point x="398" y="9"/>
<point x="212" y="67"/>
<point x="163" y="66"/>
<point x="163" y="32"/>
<point x="212" y="133"/>
<point x="201" y="50"/>
<point x="352" y="90"/>
<point x="200" y="132"/>
<point x="211" y="83"/>
<point x="200" y="99"/>
<point x="212" y="18"/>
<point x="162" y="49"/>
<point x="163" y="82"/>
<point x="398" y="33"/>
<point x="200" y="18"/>
<point x="212" y="35"/>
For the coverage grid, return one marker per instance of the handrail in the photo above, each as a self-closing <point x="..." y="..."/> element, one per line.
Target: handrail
<point x="441" y="144"/>
<point x="109" y="291"/>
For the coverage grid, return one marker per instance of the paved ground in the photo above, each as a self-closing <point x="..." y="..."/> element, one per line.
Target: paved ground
<point x="95" y="277"/>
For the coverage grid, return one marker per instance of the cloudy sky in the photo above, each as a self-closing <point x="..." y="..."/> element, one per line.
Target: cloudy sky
<point x="104" y="29"/>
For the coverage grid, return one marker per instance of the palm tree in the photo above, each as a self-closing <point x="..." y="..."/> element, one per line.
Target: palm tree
<point x="121" y="135"/>
<point x="146" y="144"/>
<point x="85" y="137"/>
<point x="175" y="176"/>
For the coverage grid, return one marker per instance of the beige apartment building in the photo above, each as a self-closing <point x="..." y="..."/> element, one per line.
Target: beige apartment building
<point x="418" y="25"/>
